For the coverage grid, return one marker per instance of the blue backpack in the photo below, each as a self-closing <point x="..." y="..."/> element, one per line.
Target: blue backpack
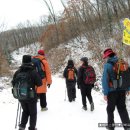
<point x="38" y="66"/>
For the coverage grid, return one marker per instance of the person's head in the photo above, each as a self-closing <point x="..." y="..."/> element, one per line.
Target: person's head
<point x="26" y="59"/>
<point x="70" y="62"/>
<point x="108" y="53"/>
<point x="84" y="61"/>
<point x="41" y="52"/>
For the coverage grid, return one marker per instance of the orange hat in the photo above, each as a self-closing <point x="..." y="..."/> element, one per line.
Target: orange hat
<point x="108" y="52"/>
<point x="41" y="52"/>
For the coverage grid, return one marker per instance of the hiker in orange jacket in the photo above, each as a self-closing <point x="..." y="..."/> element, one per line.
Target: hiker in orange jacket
<point x="46" y="81"/>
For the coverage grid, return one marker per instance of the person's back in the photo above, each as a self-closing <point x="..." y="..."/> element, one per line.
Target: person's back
<point x="115" y="96"/>
<point x="70" y="74"/>
<point x="85" y="83"/>
<point x="46" y="79"/>
<point x="29" y="106"/>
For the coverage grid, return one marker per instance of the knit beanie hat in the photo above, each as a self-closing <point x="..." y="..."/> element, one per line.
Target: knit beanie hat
<point x="26" y="59"/>
<point x="70" y="62"/>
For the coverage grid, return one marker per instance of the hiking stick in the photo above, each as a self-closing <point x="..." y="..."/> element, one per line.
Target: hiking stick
<point x="17" y="116"/>
<point x="120" y="58"/>
<point x="20" y="115"/>
<point x="65" y="95"/>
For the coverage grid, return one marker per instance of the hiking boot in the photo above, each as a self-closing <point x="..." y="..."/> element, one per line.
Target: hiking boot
<point x="21" y="128"/>
<point x="85" y="108"/>
<point x="108" y="128"/>
<point x="44" y="109"/>
<point x="73" y="99"/>
<point x="92" y="106"/>
<point x="70" y="100"/>
<point x="127" y="128"/>
<point x="32" y="129"/>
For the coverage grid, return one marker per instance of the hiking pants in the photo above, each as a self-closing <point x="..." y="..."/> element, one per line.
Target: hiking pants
<point x="43" y="102"/>
<point x="117" y="99"/>
<point x="29" y="109"/>
<point x="86" y="91"/>
<point x="71" y="91"/>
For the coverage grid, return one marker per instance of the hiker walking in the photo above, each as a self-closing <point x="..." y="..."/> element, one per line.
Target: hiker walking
<point x="70" y="74"/>
<point x="42" y="67"/>
<point x="24" y="81"/>
<point x="85" y="81"/>
<point x="114" y="89"/>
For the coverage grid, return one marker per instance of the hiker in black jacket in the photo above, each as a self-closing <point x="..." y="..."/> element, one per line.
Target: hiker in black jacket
<point x="29" y="106"/>
<point x="85" y="88"/>
<point x="70" y="74"/>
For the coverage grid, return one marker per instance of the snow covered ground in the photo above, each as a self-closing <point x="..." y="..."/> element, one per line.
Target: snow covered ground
<point x="61" y="114"/>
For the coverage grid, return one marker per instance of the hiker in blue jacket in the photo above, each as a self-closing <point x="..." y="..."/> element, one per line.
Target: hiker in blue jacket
<point x="115" y="97"/>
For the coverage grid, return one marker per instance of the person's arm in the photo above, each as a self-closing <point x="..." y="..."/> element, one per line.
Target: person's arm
<point x="76" y="72"/>
<point x="65" y="73"/>
<point x="14" y="77"/>
<point x="105" y="81"/>
<point x="48" y="72"/>
<point x="128" y="91"/>
<point x="80" y="76"/>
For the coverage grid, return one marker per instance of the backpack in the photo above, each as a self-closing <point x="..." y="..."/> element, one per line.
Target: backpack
<point x="122" y="75"/>
<point x="89" y="76"/>
<point x="22" y="86"/>
<point x="71" y="74"/>
<point x="38" y="66"/>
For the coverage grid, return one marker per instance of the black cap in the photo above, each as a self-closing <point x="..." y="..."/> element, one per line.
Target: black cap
<point x="84" y="59"/>
<point x="26" y="59"/>
<point x="70" y="62"/>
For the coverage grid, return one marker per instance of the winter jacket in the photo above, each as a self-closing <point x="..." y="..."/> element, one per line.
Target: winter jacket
<point x="47" y="80"/>
<point x="108" y="74"/>
<point x="65" y="73"/>
<point x="35" y="78"/>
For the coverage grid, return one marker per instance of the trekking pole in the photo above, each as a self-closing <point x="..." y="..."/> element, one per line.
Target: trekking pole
<point x="120" y="58"/>
<point x="17" y="116"/>
<point x="20" y="114"/>
<point x="65" y="95"/>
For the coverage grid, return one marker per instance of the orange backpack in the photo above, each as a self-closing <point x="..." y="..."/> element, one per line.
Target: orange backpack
<point x="120" y="66"/>
<point x="122" y="72"/>
<point x="71" y="74"/>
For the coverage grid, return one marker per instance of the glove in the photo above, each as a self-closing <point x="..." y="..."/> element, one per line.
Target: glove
<point x="48" y="85"/>
<point x="128" y="93"/>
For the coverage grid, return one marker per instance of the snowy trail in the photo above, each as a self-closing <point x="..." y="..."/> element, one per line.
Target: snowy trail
<point x="61" y="115"/>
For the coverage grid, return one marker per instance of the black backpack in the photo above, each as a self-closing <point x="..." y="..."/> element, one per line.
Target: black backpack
<point x="89" y="76"/>
<point x="22" y="86"/>
<point x="38" y="66"/>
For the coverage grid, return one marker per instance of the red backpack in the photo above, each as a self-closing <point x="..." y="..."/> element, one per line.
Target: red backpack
<point x="89" y="76"/>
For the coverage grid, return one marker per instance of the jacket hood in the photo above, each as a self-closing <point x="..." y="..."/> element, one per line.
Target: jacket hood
<point x="41" y="57"/>
<point x="112" y="59"/>
<point x="26" y="67"/>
